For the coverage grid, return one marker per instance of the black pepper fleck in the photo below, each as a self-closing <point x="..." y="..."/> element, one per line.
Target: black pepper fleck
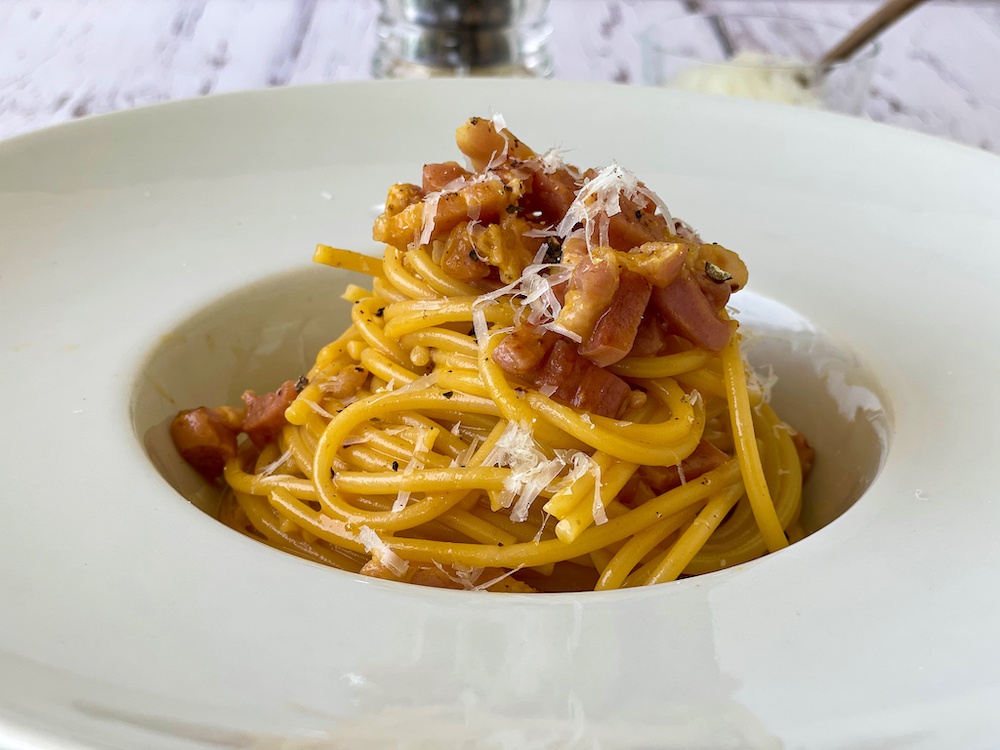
<point x="553" y="251"/>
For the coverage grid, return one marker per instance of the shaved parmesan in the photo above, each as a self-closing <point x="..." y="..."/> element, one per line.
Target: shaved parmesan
<point x="540" y="233"/>
<point x="496" y="159"/>
<point x="764" y="384"/>
<point x="427" y="219"/>
<point x="538" y="535"/>
<point x="424" y="381"/>
<point x="463" y="576"/>
<point x="551" y="162"/>
<point x="530" y="471"/>
<point x="401" y="501"/>
<point x="381" y="551"/>
<point x="354" y="440"/>
<point x="598" y="507"/>
<point x="270" y="468"/>
<point x="317" y="408"/>
<point x="600" y="198"/>
<point x="533" y="295"/>
<point x="494" y="581"/>
<point x="465" y="456"/>
<point x="421" y="447"/>
<point x="581" y="464"/>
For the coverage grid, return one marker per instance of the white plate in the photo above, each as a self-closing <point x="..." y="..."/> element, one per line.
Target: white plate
<point x="129" y="619"/>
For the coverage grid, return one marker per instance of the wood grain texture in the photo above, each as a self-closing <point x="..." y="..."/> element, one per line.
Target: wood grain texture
<point x="939" y="71"/>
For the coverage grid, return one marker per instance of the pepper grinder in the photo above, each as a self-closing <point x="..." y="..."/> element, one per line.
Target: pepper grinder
<point x="432" y="38"/>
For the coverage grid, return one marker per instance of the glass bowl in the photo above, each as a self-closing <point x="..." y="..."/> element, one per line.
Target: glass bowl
<point x="759" y="57"/>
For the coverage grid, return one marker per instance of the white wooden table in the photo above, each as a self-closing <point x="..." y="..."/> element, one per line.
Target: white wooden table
<point x="939" y="71"/>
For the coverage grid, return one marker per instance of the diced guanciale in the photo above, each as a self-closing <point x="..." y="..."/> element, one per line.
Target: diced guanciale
<point x="615" y="332"/>
<point x="551" y="194"/>
<point x="460" y="259"/>
<point x="265" y="415"/>
<point x="522" y="352"/>
<point x="437" y="176"/>
<point x="478" y="139"/>
<point x="487" y="198"/>
<point x="206" y="437"/>
<point x="581" y="383"/>
<point x="635" y="224"/>
<point x="650" y="481"/>
<point x="685" y="307"/>
<point x="650" y="338"/>
<point x="591" y="288"/>
<point x="550" y="361"/>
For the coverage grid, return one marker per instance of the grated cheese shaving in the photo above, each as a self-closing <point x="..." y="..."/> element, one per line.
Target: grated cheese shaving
<point x="318" y="409"/>
<point x="494" y="581"/>
<point x="422" y="445"/>
<point x="354" y="440"/>
<point x="600" y="198"/>
<point x="538" y="534"/>
<point x="600" y="516"/>
<point x="381" y="551"/>
<point x="465" y="456"/>
<point x="581" y="464"/>
<point x="424" y="381"/>
<point x="551" y="162"/>
<point x="463" y="576"/>
<point x="427" y="219"/>
<point x="535" y="294"/>
<point x="271" y="467"/>
<point x="766" y="383"/>
<point x="497" y="159"/>
<point x="530" y="471"/>
<point x="540" y="233"/>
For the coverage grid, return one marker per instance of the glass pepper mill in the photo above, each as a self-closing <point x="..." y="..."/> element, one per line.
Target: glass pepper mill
<point x="431" y="38"/>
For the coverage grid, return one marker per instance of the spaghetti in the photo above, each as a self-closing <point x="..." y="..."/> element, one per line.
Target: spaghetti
<point x="541" y="390"/>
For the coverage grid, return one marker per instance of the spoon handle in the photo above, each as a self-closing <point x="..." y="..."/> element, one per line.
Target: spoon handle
<point x="868" y="29"/>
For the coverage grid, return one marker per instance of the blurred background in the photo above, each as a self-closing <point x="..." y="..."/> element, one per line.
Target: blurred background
<point x="938" y="70"/>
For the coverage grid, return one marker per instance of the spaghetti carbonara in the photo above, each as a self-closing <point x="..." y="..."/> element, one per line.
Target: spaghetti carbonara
<point x="540" y="390"/>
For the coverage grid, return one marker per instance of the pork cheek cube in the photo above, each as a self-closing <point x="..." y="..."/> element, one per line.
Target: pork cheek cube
<point x="437" y="176"/>
<point x="685" y="307"/>
<point x="615" y="332"/>
<point x="521" y="352"/>
<point x="581" y="383"/>
<point x="266" y="413"/>
<point x="206" y="438"/>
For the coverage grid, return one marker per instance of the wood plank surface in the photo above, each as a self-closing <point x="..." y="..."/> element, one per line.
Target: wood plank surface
<point x="939" y="70"/>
